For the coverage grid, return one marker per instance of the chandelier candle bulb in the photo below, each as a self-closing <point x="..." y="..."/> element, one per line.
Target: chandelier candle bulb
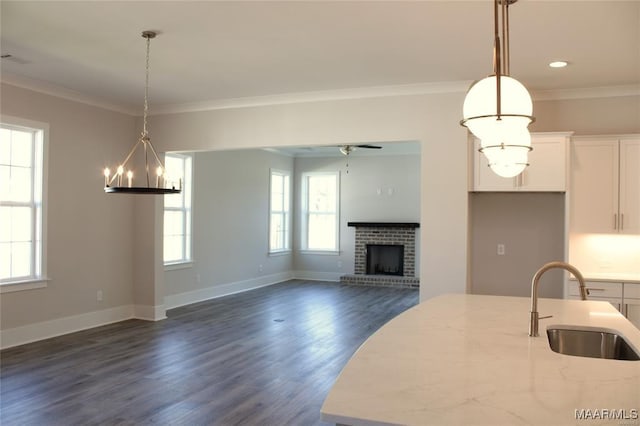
<point x="158" y="176"/>
<point x="107" y="173"/>
<point x="120" y="173"/>
<point x="129" y="177"/>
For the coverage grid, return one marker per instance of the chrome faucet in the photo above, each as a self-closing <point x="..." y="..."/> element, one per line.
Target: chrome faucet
<point x="533" y="321"/>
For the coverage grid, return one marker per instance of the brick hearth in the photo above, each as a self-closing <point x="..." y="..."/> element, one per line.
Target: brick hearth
<point x="394" y="233"/>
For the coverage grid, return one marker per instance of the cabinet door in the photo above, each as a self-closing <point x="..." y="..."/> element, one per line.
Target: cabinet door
<point x="629" y="186"/>
<point x="547" y="165"/>
<point x="594" y="186"/>
<point x="547" y="168"/>
<point x="632" y="311"/>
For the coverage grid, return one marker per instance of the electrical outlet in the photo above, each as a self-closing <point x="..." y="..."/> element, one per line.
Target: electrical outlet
<point x="260" y="268"/>
<point x="500" y="249"/>
<point x="99" y="296"/>
<point x="198" y="278"/>
<point x="339" y="264"/>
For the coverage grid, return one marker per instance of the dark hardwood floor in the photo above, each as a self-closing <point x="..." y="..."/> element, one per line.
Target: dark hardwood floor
<point x="264" y="357"/>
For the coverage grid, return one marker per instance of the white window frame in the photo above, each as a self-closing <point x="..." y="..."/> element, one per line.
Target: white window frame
<point x="304" y="240"/>
<point x="285" y="210"/>
<point x="187" y="210"/>
<point x="38" y="203"/>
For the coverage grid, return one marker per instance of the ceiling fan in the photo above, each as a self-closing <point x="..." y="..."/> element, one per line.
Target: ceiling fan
<point x="348" y="149"/>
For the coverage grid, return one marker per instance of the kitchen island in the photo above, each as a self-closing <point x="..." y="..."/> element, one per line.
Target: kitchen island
<point x="467" y="359"/>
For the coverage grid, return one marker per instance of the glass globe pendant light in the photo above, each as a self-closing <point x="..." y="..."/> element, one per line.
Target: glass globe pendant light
<point x="498" y="109"/>
<point x="116" y="183"/>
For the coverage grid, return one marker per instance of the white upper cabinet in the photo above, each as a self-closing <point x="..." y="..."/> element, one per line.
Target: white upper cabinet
<point x="547" y="170"/>
<point x="629" y="204"/>
<point x="605" y="185"/>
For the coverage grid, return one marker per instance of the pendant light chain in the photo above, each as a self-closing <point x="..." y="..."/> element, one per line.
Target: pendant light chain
<point x="498" y="109"/>
<point x="497" y="61"/>
<point x="148" y="36"/>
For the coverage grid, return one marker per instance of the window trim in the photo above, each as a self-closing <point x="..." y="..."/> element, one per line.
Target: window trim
<point x="288" y="217"/>
<point x="304" y="234"/>
<point x="40" y="250"/>
<point x="187" y="180"/>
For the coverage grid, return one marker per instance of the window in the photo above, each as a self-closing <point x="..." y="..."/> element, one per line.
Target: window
<point x="177" y="211"/>
<point x="21" y="202"/>
<point x="320" y="211"/>
<point x="279" y="218"/>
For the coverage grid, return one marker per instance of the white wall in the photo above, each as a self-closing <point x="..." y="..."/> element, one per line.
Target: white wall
<point x="90" y="233"/>
<point x="375" y="189"/>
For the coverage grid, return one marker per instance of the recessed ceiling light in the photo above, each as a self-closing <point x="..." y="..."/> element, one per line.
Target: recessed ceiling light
<point x="558" y="64"/>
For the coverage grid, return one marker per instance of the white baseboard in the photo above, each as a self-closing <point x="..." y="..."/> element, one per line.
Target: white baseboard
<point x="57" y="327"/>
<point x="150" y="313"/>
<point x="200" y="295"/>
<point x="317" y="276"/>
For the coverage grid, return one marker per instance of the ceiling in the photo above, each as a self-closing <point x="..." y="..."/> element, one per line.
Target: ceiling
<point x="210" y="53"/>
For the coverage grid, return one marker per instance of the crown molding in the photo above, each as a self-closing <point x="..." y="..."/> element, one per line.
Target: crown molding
<point x="587" y="93"/>
<point x="304" y="97"/>
<point x="62" y="92"/>
<point x="318" y="96"/>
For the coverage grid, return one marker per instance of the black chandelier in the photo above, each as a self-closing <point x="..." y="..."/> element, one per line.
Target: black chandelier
<point x="115" y="183"/>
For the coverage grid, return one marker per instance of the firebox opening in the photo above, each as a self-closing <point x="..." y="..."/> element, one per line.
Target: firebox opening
<point x="385" y="259"/>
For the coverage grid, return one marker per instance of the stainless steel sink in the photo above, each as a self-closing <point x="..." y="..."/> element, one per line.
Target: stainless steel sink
<point x="591" y="343"/>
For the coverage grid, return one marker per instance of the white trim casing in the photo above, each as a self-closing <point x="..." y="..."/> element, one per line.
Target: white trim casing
<point x="286" y="210"/>
<point x="33" y="284"/>
<point x="185" y="208"/>
<point x="304" y="207"/>
<point x="40" y="159"/>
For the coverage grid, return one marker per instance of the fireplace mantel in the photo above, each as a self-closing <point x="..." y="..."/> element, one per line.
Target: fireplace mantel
<point x="384" y="224"/>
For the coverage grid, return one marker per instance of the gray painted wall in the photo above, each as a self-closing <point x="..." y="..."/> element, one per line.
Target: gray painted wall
<point x="230" y="221"/>
<point x="376" y="189"/>
<point x="231" y="204"/>
<point x="531" y="226"/>
<point x="89" y="242"/>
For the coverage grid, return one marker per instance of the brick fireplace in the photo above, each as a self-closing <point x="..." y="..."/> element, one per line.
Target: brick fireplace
<point x="374" y="269"/>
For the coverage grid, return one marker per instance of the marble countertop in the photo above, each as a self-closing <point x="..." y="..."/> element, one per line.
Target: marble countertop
<point x="467" y="359"/>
